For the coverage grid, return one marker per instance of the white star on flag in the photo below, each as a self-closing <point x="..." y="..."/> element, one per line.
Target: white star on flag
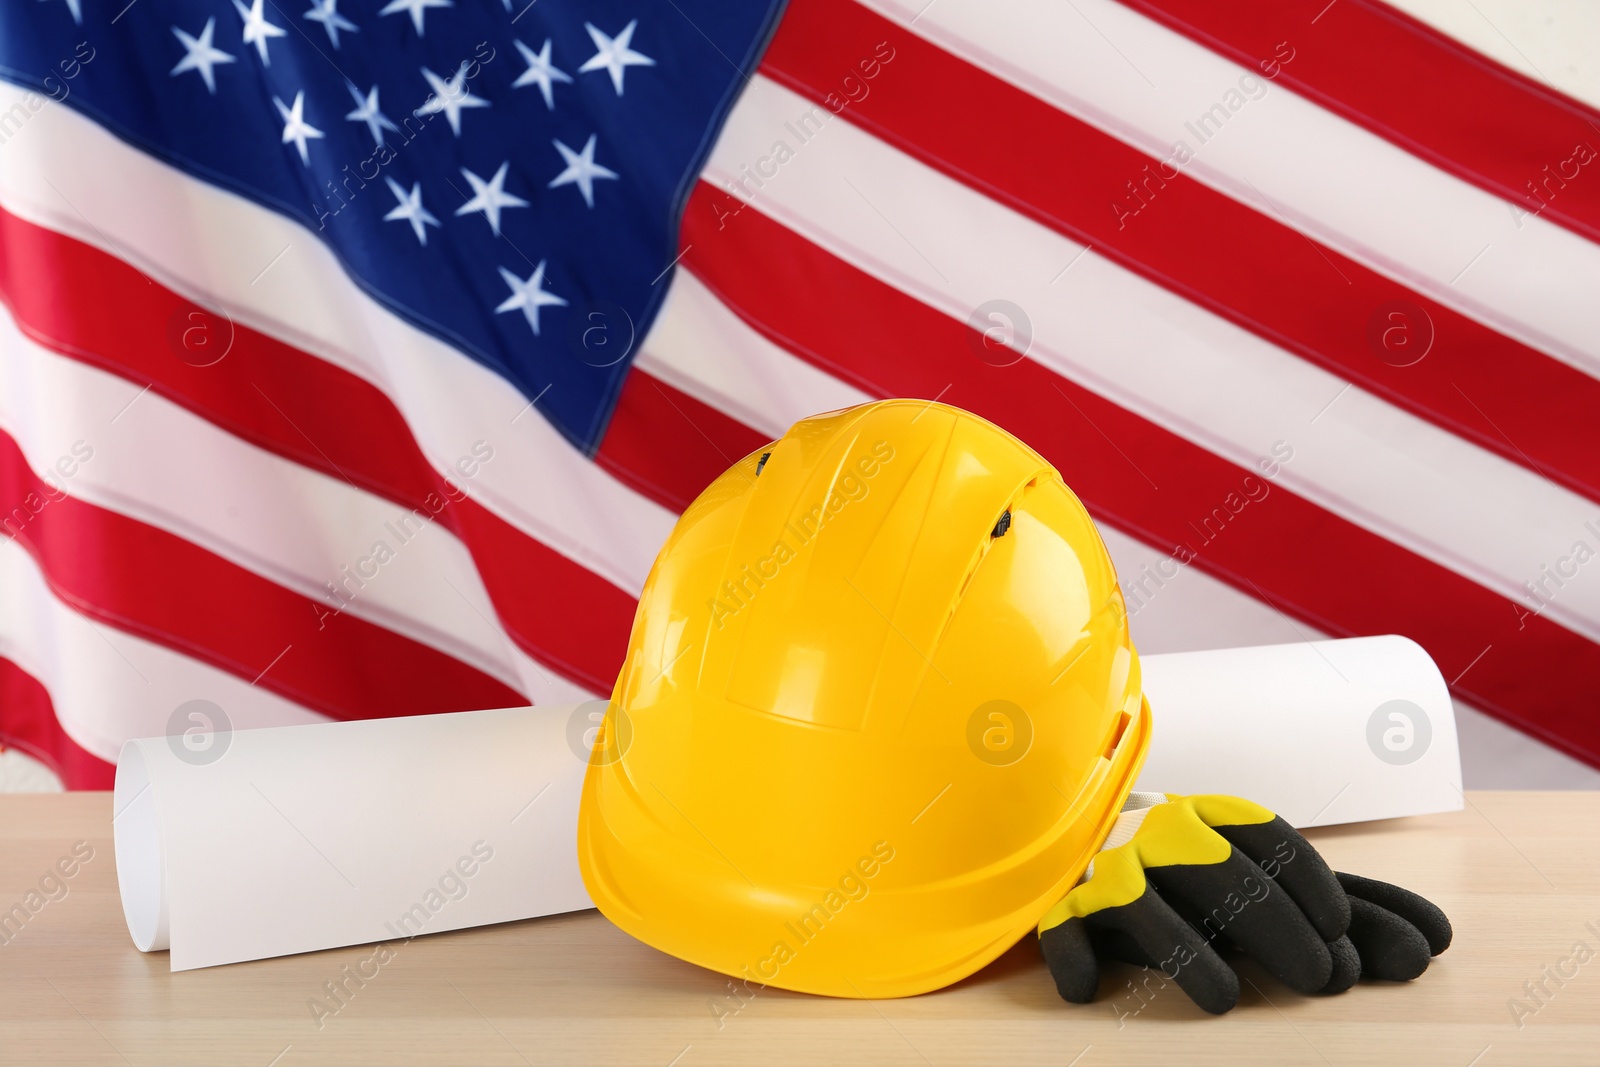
<point x="581" y="170"/>
<point x="295" y="128"/>
<point x="257" y="30"/>
<point x="490" y="196"/>
<point x="410" y="209"/>
<point x="528" y="296"/>
<point x="327" y="13"/>
<point x="613" y="54"/>
<point x="367" y="111"/>
<point x="450" y="97"/>
<point x="200" y="55"/>
<point x="540" y="72"/>
<point x="417" y="9"/>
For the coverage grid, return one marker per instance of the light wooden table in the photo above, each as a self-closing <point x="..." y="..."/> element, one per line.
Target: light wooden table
<point x="1518" y="873"/>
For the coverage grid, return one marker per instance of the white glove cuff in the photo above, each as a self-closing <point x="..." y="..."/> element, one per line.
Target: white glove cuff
<point x="1134" y="809"/>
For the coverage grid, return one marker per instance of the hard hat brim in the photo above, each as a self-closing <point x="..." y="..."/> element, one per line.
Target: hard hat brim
<point x="671" y="890"/>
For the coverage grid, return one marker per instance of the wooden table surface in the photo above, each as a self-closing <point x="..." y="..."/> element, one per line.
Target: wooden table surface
<point x="1518" y="873"/>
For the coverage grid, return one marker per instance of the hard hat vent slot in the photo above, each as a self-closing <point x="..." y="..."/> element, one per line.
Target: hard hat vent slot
<point x="1116" y="734"/>
<point x="762" y="462"/>
<point x="1003" y="525"/>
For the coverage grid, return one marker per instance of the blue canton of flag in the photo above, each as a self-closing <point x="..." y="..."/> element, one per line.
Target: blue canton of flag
<point x="507" y="176"/>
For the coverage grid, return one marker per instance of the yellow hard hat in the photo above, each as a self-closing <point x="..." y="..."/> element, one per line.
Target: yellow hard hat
<point x="878" y="711"/>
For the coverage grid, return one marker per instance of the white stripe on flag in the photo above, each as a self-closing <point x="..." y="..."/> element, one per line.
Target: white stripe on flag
<point x="108" y="685"/>
<point x="1173" y="608"/>
<point x="1348" y="188"/>
<point x="700" y="346"/>
<point x="1171" y="361"/>
<point x="161" y="464"/>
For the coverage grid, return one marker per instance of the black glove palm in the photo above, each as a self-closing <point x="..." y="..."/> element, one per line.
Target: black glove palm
<point x="1181" y="877"/>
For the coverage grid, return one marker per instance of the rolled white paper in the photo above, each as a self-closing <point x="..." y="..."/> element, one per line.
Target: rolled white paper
<point x="311" y="837"/>
<point x="1320" y="732"/>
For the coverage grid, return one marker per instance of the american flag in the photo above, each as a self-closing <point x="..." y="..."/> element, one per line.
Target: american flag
<point x="358" y="355"/>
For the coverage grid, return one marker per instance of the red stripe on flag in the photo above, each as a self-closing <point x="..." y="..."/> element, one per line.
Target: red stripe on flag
<point x="560" y="613"/>
<point x="28" y="724"/>
<point x="78" y="300"/>
<point x="1284" y="549"/>
<point x="1414" y="86"/>
<point x="1212" y="250"/>
<point x="149" y="582"/>
<point x="305" y="409"/>
<point x="668" y="445"/>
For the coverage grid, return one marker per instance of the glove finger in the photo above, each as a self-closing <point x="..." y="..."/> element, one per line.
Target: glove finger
<point x="1113" y="944"/>
<point x="1174" y="948"/>
<point x="1346" y="966"/>
<point x="1070" y="957"/>
<point x="1284" y="854"/>
<point x="1419" y="911"/>
<point x="1236" y="898"/>
<point x="1391" y="948"/>
<point x="1214" y="936"/>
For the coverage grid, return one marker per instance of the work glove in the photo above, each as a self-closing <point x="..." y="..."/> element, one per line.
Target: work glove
<point x="1181" y="880"/>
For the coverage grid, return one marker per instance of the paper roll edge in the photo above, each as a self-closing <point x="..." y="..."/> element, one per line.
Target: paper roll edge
<point x="140" y="853"/>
